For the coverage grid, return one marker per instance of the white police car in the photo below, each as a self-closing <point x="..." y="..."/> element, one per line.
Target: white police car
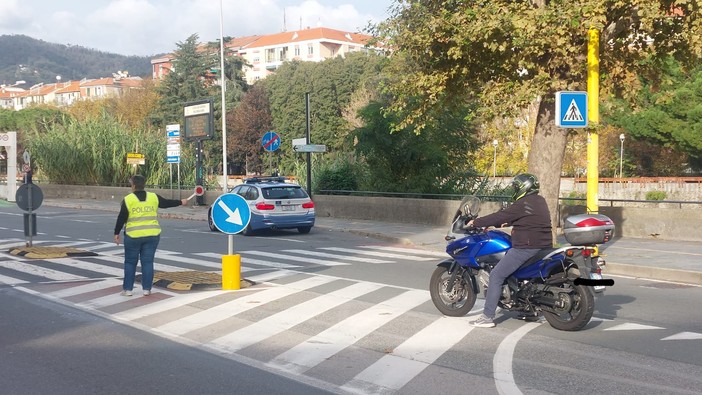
<point x="274" y="204"/>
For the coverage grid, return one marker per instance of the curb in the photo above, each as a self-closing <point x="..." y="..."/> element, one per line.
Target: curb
<point x="654" y="273"/>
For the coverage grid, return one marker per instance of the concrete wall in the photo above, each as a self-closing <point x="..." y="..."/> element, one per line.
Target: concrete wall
<point x="664" y="221"/>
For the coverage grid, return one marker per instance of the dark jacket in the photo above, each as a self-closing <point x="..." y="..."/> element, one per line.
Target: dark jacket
<point x="529" y="218"/>
<point x="124" y="213"/>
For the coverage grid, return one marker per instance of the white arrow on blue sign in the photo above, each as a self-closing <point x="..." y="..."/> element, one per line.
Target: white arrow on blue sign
<point x="230" y="213"/>
<point x="571" y="109"/>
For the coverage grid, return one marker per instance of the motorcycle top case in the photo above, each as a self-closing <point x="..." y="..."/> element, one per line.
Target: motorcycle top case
<point x="588" y="229"/>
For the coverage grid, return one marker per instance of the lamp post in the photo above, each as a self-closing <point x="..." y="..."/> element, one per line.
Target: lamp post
<point x="494" y="158"/>
<point x="621" y="155"/>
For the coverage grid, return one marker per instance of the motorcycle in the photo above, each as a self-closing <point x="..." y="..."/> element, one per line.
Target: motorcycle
<point x="556" y="282"/>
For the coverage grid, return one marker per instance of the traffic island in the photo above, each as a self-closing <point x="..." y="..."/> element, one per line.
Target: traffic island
<point x="49" y="252"/>
<point x="190" y="280"/>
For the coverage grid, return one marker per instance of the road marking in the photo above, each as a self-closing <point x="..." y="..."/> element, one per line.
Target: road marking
<point x="502" y="361"/>
<point x="93" y="267"/>
<point x="632" y="327"/>
<point x="408" y="250"/>
<point x="85" y="288"/>
<point x="652" y="250"/>
<point x="223" y="311"/>
<point x="297" y="258"/>
<point x="410" y="358"/>
<point x="323" y="346"/>
<point x="40" y="271"/>
<point x="684" y="336"/>
<point x="336" y="256"/>
<point x="289" y="317"/>
<point x="379" y="254"/>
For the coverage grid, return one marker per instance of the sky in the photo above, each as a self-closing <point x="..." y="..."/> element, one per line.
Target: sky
<point x="150" y="27"/>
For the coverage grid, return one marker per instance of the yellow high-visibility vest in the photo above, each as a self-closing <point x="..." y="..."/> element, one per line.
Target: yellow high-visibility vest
<point x="143" y="216"/>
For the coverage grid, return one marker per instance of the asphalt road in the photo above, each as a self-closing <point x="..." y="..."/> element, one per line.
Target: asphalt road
<point x="49" y="348"/>
<point x="353" y="313"/>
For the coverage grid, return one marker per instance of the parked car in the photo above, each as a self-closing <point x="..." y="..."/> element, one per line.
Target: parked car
<point x="275" y="204"/>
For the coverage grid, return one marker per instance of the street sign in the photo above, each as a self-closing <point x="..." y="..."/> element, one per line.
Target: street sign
<point x="270" y="141"/>
<point x="135" y="159"/>
<point x="231" y="213"/>
<point x="310" y="148"/>
<point x="22" y="197"/>
<point x="300" y="141"/>
<point x="173" y="143"/>
<point x="571" y="109"/>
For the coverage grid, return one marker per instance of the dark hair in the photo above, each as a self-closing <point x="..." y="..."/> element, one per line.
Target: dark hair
<point x="138" y="182"/>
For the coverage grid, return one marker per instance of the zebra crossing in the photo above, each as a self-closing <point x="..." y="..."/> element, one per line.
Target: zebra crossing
<point x="361" y="336"/>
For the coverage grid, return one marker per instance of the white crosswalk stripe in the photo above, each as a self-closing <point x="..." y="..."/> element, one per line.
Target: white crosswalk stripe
<point x="380" y="254"/>
<point x="40" y="271"/>
<point x="222" y="311"/>
<point x="347" y="332"/>
<point x="322" y="262"/>
<point x="290" y="317"/>
<point x="411" y="357"/>
<point x="336" y="256"/>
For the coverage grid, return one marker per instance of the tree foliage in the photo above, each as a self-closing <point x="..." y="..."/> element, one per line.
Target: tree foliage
<point x="668" y="114"/>
<point x="509" y="54"/>
<point x="245" y="126"/>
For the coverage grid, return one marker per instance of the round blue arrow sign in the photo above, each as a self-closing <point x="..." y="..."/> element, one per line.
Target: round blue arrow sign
<point x="230" y="213"/>
<point x="270" y="141"/>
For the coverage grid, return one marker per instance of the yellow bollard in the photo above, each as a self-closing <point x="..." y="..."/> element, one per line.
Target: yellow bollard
<point x="231" y="272"/>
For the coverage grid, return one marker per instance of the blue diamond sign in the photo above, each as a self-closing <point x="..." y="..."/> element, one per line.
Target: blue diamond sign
<point x="571" y="109"/>
<point x="230" y="213"/>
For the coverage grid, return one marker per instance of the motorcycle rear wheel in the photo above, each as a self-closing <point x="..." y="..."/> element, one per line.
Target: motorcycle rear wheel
<point x="456" y="303"/>
<point x="579" y="305"/>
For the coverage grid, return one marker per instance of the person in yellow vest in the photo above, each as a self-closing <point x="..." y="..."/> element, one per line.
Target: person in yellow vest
<point x="138" y="215"/>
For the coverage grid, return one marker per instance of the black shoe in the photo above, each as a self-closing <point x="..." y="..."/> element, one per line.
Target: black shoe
<point x="528" y="317"/>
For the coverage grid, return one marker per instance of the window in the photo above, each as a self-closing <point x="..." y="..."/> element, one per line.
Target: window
<point x="310" y="49"/>
<point x="297" y="50"/>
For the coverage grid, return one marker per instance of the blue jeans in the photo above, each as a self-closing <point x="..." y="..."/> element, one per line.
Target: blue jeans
<point x="135" y="248"/>
<point x="509" y="264"/>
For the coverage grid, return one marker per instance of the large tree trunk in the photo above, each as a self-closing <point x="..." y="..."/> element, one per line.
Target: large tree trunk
<point x="546" y="156"/>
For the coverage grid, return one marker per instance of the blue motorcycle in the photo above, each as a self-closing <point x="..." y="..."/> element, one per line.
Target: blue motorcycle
<point x="556" y="282"/>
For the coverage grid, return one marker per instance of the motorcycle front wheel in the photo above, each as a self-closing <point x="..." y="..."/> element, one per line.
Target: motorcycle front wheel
<point x="456" y="303"/>
<point x="574" y="310"/>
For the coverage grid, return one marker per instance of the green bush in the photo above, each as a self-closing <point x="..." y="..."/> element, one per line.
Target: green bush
<point x="575" y="195"/>
<point x="656" y="195"/>
<point x="339" y="176"/>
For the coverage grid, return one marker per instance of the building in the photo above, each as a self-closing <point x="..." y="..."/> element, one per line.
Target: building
<point x="264" y="54"/>
<point x="66" y="93"/>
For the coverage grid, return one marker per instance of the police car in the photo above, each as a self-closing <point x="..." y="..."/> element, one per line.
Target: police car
<point x="275" y="203"/>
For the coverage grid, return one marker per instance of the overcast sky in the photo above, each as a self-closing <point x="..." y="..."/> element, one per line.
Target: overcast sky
<point x="149" y="27"/>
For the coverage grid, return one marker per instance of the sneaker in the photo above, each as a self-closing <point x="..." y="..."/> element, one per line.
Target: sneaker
<point x="147" y="292"/>
<point x="126" y="293"/>
<point x="483" y="322"/>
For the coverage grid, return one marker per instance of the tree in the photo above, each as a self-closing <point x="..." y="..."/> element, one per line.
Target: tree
<point x="509" y="54"/>
<point x="185" y="83"/>
<point x="246" y="124"/>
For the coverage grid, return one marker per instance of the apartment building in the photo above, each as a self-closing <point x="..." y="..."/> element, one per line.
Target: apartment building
<point x="66" y="93"/>
<point x="264" y="54"/>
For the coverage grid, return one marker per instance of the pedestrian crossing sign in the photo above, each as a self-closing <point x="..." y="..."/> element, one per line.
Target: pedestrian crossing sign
<point x="571" y="109"/>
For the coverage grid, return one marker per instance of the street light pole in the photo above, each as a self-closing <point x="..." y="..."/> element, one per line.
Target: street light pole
<point x="621" y="155"/>
<point x="494" y="159"/>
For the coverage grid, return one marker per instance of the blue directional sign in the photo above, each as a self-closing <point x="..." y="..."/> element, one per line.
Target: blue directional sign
<point x="230" y="213"/>
<point x="571" y="109"/>
<point x="270" y="141"/>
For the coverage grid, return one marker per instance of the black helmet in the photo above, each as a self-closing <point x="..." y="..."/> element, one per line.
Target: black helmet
<point x="524" y="184"/>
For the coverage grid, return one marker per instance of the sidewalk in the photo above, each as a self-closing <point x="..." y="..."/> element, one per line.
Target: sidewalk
<point x="645" y="258"/>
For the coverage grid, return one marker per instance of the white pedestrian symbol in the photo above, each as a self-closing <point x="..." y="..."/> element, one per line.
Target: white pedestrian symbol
<point x="573" y="113"/>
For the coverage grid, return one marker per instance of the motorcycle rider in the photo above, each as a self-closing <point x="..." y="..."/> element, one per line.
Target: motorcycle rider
<point x="530" y="219"/>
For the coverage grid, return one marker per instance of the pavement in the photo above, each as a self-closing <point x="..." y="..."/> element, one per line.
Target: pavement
<point x="649" y="258"/>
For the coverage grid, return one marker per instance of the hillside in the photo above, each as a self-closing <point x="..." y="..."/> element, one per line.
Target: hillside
<point x="31" y="60"/>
